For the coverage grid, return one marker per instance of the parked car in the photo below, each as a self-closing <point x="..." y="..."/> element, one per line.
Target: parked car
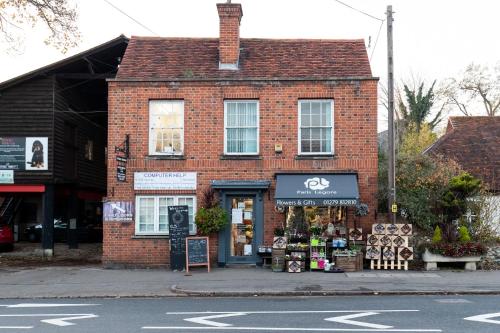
<point x="86" y="233"/>
<point x="6" y="238"/>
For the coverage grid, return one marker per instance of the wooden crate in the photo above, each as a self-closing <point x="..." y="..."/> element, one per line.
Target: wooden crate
<point x="350" y="263"/>
<point x="294" y="266"/>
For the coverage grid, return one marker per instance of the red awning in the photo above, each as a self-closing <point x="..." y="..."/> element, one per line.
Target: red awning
<point x="22" y="188"/>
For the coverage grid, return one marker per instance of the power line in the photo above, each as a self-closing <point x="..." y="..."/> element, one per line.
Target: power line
<point x="130" y="17"/>
<point x="376" y="39"/>
<point x="355" y="9"/>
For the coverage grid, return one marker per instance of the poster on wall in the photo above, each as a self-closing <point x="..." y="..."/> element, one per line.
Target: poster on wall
<point x="122" y="211"/>
<point x="24" y="153"/>
<point x="37" y="154"/>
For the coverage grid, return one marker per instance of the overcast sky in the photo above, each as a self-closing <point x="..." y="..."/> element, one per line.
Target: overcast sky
<point x="432" y="39"/>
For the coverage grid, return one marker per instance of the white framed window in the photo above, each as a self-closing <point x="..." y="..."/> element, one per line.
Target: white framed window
<point x="315" y="127"/>
<point x="241" y="127"/>
<point x="151" y="213"/>
<point x="166" y="127"/>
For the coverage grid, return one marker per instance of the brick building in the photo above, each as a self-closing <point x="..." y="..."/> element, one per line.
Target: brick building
<point x="250" y="118"/>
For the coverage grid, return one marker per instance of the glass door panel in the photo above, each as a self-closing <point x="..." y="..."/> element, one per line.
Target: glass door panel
<point x="241" y="240"/>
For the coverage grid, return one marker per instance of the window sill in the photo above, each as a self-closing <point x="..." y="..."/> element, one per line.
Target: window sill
<point x="165" y="157"/>
<point x="154" y="236"/>
<point x="314" y="157"/>
<point x="150" y="237"/>
<point x="240" y="157"/>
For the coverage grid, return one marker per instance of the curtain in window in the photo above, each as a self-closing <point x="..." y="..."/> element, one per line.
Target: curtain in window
<point x="241" y="127"/>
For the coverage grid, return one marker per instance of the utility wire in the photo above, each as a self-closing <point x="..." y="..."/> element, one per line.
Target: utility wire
<point x="355" y="9"/>
<point x="130" y="17"/>
<point x="376" y="39"/>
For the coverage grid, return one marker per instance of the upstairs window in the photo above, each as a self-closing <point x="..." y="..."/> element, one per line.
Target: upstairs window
<point x="315" y="127"/>
<point x="166" y="127"/>
<point x="241" y="127"/>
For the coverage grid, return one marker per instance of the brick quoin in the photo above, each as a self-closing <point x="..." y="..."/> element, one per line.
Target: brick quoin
<point x="355" y="146"/>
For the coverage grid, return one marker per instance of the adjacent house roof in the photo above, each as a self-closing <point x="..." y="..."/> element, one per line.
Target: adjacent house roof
<point x="474" y="142"/>
<point x="100" y="59"/>
<point x="153" y="58"/>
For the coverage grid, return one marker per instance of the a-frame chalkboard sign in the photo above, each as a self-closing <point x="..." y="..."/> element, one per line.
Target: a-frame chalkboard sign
<point x="197" y="252"/>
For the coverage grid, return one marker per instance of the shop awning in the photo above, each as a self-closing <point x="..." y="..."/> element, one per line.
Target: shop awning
<point x="326" y="189"/>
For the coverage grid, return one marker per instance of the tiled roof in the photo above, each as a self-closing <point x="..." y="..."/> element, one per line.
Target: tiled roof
<point x="474" y="142"/>
<point x="197" y="58"/>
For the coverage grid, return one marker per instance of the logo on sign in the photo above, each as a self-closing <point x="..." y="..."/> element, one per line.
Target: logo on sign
<point x="316" y="183"/>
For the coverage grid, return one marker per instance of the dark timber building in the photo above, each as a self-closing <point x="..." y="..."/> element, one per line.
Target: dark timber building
<point x="53" y="128"/>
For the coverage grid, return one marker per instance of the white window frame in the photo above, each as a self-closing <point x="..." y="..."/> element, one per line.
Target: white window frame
<point x="299" y="130"/>
<point x="225" y="125"/>
<point x="152" y="136"/>
<point x="156" y="221"/>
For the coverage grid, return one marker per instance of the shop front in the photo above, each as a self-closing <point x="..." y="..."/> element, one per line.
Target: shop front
<point x="318" y="219"/>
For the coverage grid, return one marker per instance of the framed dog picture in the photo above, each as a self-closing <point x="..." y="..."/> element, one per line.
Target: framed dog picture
<point x="37" y="153"/>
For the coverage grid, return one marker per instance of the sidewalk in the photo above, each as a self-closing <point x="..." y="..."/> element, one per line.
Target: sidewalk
<point x="94" y="281"/>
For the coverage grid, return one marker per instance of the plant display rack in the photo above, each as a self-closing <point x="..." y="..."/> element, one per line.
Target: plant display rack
<point x="317" y="254"/>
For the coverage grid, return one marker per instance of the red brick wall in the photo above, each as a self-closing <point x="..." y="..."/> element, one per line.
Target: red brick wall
<point x="355" y="144"/>
<point x="229" y="32"/>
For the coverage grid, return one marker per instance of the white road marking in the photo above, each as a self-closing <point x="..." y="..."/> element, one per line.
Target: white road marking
<point x="16" y="327"/>
<point x="347" y="320"/>
<point x="452" y="300"/>
<point x="43" y="305"/>
<point x="203" y="320"/>
<point x="63" y="321"/>
<point x="485" y="318"/>
<point x="285" y="329"/>
<point x="287" y="312"/>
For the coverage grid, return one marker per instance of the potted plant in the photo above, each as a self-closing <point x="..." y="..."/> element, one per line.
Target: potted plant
<point x="211" y="217"/>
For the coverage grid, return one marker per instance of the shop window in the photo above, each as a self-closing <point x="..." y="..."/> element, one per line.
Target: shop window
<point x="330" y="220"/>
<point x="151" y="216"/>
<point x="166" y="127"/>
<point x="241" y="127"/>
<point x="315" y="127"/>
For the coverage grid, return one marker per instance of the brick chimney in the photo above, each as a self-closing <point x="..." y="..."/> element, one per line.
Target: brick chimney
<point x="229" y="34"/>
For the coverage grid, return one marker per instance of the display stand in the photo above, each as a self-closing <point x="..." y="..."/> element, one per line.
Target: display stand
<point x="317" y="253"/>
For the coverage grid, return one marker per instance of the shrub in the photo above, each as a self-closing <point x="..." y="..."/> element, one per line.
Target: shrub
<point x="457" y="249"/>
<point x="279" y="231"/>
<point x="463" y="234"/>
<point x="437" y="237"/>
<point x="210" y="220"/>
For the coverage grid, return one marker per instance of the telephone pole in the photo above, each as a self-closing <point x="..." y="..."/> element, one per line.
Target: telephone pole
<point x="390" y="92"/>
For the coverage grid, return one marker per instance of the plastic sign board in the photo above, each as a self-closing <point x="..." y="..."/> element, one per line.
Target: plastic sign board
<point x="164" y="180"/>
<point x="394" y="208"/>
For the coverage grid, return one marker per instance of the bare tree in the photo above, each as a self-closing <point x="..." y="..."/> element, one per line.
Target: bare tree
<point x="479" y="85"/>
<point x="59" y="16"/>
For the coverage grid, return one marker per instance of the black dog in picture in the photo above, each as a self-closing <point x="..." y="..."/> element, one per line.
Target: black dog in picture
<point x="37" y="158"/>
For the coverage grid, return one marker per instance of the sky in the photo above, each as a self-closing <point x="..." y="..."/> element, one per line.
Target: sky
<point x="433" y="40"/>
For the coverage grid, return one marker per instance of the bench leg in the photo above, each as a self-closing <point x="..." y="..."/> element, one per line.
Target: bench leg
<point x="431" y="266"/>
<point x="470" y="266"/>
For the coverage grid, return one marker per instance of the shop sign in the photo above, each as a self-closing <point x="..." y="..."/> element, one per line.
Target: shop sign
<point x="24" y="153"/>
<point x="316" y="190"/>
<point x="121" y="173"/>
<point x="316" y="202"/>
<point x="165" y="181"/>
<point x="115" y="211"/>
<point x="6" y="176"/>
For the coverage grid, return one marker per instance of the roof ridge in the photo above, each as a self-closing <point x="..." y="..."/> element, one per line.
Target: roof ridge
<point x="337" y="40"/>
